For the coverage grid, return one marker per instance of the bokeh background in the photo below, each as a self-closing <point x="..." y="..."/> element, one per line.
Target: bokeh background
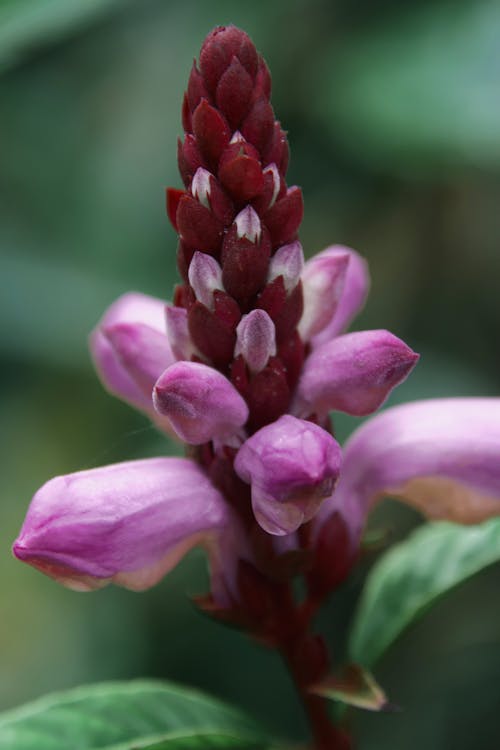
<point x="393" y="112"/>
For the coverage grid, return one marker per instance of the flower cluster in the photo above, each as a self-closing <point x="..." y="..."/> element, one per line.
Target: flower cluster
<point x="245" y="367"/>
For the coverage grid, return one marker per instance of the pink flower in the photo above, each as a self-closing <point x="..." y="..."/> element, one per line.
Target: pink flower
<point x="244" y="365"/>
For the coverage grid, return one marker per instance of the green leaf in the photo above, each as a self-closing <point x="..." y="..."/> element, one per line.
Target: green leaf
<point x="139" y="715"/>
<point x="419" y="90"/>
<point x="25" y="23"/>
<point x="409" y="578"/>
<point x="354" y="686"/>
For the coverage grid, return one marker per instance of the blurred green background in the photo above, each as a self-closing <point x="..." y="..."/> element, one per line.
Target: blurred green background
<point x="393" y="113"/>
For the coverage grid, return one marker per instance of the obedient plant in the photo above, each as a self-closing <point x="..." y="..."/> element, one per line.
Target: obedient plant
<point x="245" y="366"/>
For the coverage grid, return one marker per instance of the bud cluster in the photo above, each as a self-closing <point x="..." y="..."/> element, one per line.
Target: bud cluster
<point x="237" y="221"/>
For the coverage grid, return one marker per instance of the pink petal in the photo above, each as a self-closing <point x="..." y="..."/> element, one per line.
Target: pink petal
<point x="143" y="352"/>
<point x="130" y="308"/>
<point x="353" y="373"/>
<point x="353" y="296"/>
<point x="322" y="284"/>
<point x="200" y="403"/>
<point x="441" y="456"/>
<point x="288" y="262"/>
<point x="292" y="466"/>
<point x="256" y="339"/>
<point x="129" y="523"/>
<point x="205" y="276"/>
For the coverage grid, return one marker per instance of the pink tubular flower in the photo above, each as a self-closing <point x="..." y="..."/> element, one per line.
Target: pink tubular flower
<point x="292" y="466"/>
<point x="441" y="456"/>
<point x="130" y="348"/>
<point x="129" y="523"/>
<point x="244" y="364"/>
<point x="200" y="403"/>
<point x="353" y="373"/>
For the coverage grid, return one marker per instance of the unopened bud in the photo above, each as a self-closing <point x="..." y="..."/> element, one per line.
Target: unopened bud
<point x="201" y="403"/>
<point x="205" y="276"/>
<point x="292" y="466"/>
<point x="255" y="339"/>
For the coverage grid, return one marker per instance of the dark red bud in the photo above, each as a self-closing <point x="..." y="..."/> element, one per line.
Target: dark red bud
<point x="173" y="196"/>
<point x="334" y="556"/>
<point x="245" y="264"/>
<point x="196" y="90"/>
<point x="288" y="317"/>
<point x="291" y="353"/>
<point x="239" y="375"/>
<point x="263" y="201"/>
<point x="233" y="93"/>
<point x="212" y="337"/>
<point x="262" y="85"/>
<point x="268" y="395"/>
<point x="273" y="298"/>
<point x="184" y="296"/>
<point x="277" y="151"/>
<point x="186" y="115"/>
<point x="242" y="176"/>
<point x="198" y="227"/>
<point x="257" y="127"/>
<point x="220" y="203"/>
<point x="238" y="147"/>
<point x="188" y="158"/>
<point x="220" y="46"/>
<point x="211" y="131"/>
<point x="226" y="309"/>
<point x="283" y="219"/>
<point x="184" y="257"/>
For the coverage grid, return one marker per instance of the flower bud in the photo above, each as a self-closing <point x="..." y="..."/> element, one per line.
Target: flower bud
<point x="205" y="276"/>
<point x="198" y="227"/>
<point x="353" y="373"/>
<point x="255" y="339"/>
<point x="211" y="131"/>
<point x="287" y="262"/>
<point x="200" y="402"/>
<point x="292" y="466"/>
<point x="240" y="171"/>
<point x="234" y="92"/>
<point x="119" y="364"/>
<point x="283" y="219"/>
<point x="245" y="255"/>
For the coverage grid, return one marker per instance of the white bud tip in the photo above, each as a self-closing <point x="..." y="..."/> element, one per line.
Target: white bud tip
<point x="248" y="225"/>
<point x="200" y="186"/>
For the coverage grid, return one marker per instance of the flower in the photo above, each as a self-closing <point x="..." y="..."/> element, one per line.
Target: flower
<point x="245" y="366"/>
<point x="292" y="466"/>
<point x="125" y="523"/>
<point x="441" y="456"/>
